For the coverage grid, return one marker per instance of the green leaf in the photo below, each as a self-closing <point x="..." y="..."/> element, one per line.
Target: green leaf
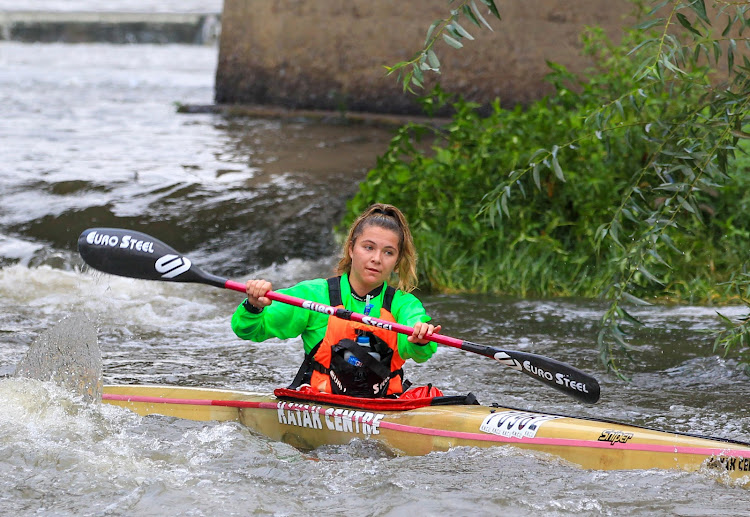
<point x="479" y="14"/>
<point x="620" y="111"/>
<point x="658" y="258"/>
<point x="618" y="335"/>
<point x="633" y="299"/>
<point x="726" y="30"/>
<point x="629" y="215"/>
<point x="471" y="16"/>
<point x="601" y="233"/>
<point x="614" y="232"/>
<point x="726" y="320"/>
<point x="394" y="68"/>
<point x="461" y="31"/>
<point x="493" y="8"/>
<point x="417" y="82"/>
<point x="645" y="272"/>
<point x="684" y="203"/>
<point x="686" y="23"/>
<point x="650" y="23"/>
<point x="418" y="75"/>
<point x="453" y="42"/>
<point x="656" y="7"/>
<point x="699" y="6"/>
<point x="556" y="164"/>
<point x="628" y="317"/>
<point x="430" y="31"/>
<point x="520" y="187"/>
<point x="536" y="153"/>
<point x="433" y="60"/>
<point x="669" y="65"/>
<point x="504" y="200"/>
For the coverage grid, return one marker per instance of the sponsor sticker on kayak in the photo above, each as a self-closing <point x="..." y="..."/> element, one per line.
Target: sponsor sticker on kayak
<point x="613" y="436"/>
<point x="514" y="424"/>
<point x="730" y="463"/>
<point x="333" y="419"/>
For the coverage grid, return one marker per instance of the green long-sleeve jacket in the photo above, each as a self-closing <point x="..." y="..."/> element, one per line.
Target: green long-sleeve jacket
<point x="285" y="321"/>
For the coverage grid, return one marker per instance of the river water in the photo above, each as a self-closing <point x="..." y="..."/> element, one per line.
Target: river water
<point x="90" y="137"/>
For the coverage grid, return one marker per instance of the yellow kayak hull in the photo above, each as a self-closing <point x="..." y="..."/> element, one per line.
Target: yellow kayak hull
<point x="588" y="443"/>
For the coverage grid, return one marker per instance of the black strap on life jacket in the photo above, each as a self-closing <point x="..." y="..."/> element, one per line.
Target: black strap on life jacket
<point x="390" y="292"/>
<point x="304" y="374"/>
<point x="334" y="291"/>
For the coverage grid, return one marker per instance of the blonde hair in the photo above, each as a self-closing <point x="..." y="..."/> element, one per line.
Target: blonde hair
<point x="387" y="217"/>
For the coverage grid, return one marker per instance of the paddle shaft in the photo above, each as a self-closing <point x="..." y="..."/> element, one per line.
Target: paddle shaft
<point x="554" y="373"/>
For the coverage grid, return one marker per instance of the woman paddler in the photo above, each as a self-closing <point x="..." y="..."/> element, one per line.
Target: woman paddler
<point x="346" y="357"/>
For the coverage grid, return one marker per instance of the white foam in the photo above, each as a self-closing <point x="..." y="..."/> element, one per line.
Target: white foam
<point x="16" y="249"/>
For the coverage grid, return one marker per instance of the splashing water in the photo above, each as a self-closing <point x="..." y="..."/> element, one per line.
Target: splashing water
<point x="68" y="355"/>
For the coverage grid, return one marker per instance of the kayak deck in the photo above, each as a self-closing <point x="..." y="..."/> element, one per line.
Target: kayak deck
<point x="588" y="443"/>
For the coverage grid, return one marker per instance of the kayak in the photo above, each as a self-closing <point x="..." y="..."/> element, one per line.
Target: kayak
<point x="407" y="426"/>
<point x="422" y="426"/>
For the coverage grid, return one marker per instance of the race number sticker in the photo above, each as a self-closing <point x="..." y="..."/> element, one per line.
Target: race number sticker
<point x="514" y="424"/>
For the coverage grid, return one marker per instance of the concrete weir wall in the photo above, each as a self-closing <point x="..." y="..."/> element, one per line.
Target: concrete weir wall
<point x="110" y="27"/>
<point x="329" y="54"/>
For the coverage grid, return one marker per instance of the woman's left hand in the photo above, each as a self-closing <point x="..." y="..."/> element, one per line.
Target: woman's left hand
<point x="422" y="330"/>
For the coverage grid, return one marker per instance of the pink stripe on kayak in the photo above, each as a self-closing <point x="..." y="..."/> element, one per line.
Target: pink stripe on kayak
<point x="156" y="400"/>
<point x="567" y="442"/>
<point x="562" y="442"/>
<point x="190" y="402"/>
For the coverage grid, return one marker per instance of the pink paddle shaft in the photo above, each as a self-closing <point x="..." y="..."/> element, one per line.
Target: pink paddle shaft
<point x="346" y="315"/>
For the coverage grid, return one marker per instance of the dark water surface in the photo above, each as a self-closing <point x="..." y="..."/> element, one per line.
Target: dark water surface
<point x="90" y="137"/>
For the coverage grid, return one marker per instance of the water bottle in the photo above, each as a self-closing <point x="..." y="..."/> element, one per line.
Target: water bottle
<point x="352" y="359"/>
<point x="363" y="340"/>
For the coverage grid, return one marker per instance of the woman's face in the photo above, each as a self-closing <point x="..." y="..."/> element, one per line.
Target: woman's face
<point x="374" y="257"/>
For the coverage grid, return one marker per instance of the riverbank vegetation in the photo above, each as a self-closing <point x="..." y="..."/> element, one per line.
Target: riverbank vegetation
<point x="630" y="182"/>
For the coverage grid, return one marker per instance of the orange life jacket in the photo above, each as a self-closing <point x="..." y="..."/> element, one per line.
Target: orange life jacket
<point x="325" y="369"/>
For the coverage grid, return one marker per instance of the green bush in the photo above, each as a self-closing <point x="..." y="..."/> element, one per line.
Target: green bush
<point x="629" y="182"/>
<point x="484" y="220"/>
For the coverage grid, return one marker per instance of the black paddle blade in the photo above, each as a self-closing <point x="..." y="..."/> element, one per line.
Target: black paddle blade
<point x="555" y="374"/>
<point x="136" y="255"/>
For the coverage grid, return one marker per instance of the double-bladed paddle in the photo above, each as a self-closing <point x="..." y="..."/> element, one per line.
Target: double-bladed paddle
<point x="137" y="255"/>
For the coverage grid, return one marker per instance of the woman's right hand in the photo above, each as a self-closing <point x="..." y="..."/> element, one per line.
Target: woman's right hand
<point x="256" y="290"/>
